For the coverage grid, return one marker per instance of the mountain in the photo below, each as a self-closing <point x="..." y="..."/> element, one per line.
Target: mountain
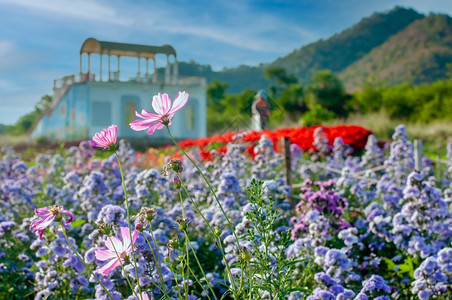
<point x="417" y="54"/>
<point x="400" y="45"/>
<point x="346" y="47"/>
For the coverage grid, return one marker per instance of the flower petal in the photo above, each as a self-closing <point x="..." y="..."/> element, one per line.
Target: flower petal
<point x="41" y="224"/>
<point x="42" y="212"/>
<point x="106" y="137"/>
<point x="71" y="216"/>
<point x="111" y="265"/>
<point x="105" y="254"/>
<point x="154" y="127"/>
<point x="161" y="104"/>
<point x="125" y="233"/>
<point x="138" y="125"/>
<point x="118" y="246"/>
<point x="179" y="102"/>
<point x="144" y="296"/>
<point x="147" y="115"/>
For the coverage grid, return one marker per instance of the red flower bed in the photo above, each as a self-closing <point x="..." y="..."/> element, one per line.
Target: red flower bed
<point x="355" y="136"/>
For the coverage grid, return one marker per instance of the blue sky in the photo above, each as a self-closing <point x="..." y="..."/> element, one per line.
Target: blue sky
<point x="40" y="40"/>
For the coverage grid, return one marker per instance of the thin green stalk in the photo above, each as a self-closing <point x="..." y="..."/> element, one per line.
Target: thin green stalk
<point x="177" y="284"/>
<point x="196" y="278"/>
<point x="250" y="281"/>
<point x="200" y="267"/>
<point x="159" y="271"/>
<point x="157" y="244"/>
<point x="187" y="242"/>
<point x="134" y="261"/>
<point x="210" y="227"/>
<point x="185" y="280"/>
<point x="208" y="184"/>
<point x="86" y="266"/>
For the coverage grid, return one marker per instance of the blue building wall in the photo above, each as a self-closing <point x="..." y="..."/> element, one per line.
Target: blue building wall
<point x="89" y="107"/>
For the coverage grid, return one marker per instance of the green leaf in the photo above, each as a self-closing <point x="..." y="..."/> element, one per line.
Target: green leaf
<point x="390" y="263"/>
<point x="78" y="223"/>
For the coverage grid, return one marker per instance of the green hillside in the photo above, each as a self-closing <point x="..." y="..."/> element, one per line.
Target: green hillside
<point x="418" y="54"/>
<point x="346" y="47"/>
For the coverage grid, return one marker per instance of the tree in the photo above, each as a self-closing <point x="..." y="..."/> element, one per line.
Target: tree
<point x="280" y="78"/>
<point x="327" y="90"/>
<point x="280" y="75"/>
<point x="215" y="93"/>
<point x="370" y="98"/>
<point x="43" y="104"/>
<point x="292" y="101"/>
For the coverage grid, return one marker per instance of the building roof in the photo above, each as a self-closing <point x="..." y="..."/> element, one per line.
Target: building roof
<point x="91" y="45"/>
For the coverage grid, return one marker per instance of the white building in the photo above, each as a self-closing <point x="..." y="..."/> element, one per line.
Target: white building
<point x="98" y="97"/>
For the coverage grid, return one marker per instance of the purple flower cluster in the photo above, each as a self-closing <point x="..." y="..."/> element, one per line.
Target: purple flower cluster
<point x="349" y="219"/>
<point x="322" y="198"/>
<point x="433" y="277"/>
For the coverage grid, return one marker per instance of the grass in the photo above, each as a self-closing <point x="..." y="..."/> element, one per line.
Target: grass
<point x="11" y="140"/>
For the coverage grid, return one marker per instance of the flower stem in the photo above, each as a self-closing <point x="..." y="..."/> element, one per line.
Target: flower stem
<point x="202" y="271"/>
<point x="187" y="242"/>
<point x="196" y="278"/>
<point x="208" y="184"/>
<point x="134" y="261"/>
<point x="158" y="265"/>
<point x="86" y="266"/>
<point x="228" y="269"/>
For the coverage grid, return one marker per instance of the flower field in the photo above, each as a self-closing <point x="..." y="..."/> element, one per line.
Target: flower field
<point x="217" y="220"/>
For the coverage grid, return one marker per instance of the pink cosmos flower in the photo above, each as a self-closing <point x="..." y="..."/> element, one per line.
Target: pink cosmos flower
<point x="164" y="109"/>
<point x="47" y="216"/>
<point x="144" y="296"/>
<point x="106" y="138"/>
<point x="123" y="249"/>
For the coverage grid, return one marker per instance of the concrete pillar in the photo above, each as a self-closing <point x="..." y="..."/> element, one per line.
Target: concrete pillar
<point x="118" y="68"/>
<point x="100" y="75"/>
<point x="167" y="70"/>
<point x="175" y="71"/>
<point x="154" y="75"/>
<point x="89" y="62"/>
<point x="109" y="69"/>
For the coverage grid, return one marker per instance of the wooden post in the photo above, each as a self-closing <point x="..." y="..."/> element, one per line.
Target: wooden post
<point x="418" y="155"/>
<point x="288" y="166"/>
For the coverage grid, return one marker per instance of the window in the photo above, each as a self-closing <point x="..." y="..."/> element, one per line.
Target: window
<point x="189" y="117"/>
<point x="129" y="113"/>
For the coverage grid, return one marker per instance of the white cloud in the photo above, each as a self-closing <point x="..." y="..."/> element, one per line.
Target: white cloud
<point x="233" y="23"/>
<point x="77" y="9"/>
<point x="7" y="54"/>
<point x="11" y="56"/>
